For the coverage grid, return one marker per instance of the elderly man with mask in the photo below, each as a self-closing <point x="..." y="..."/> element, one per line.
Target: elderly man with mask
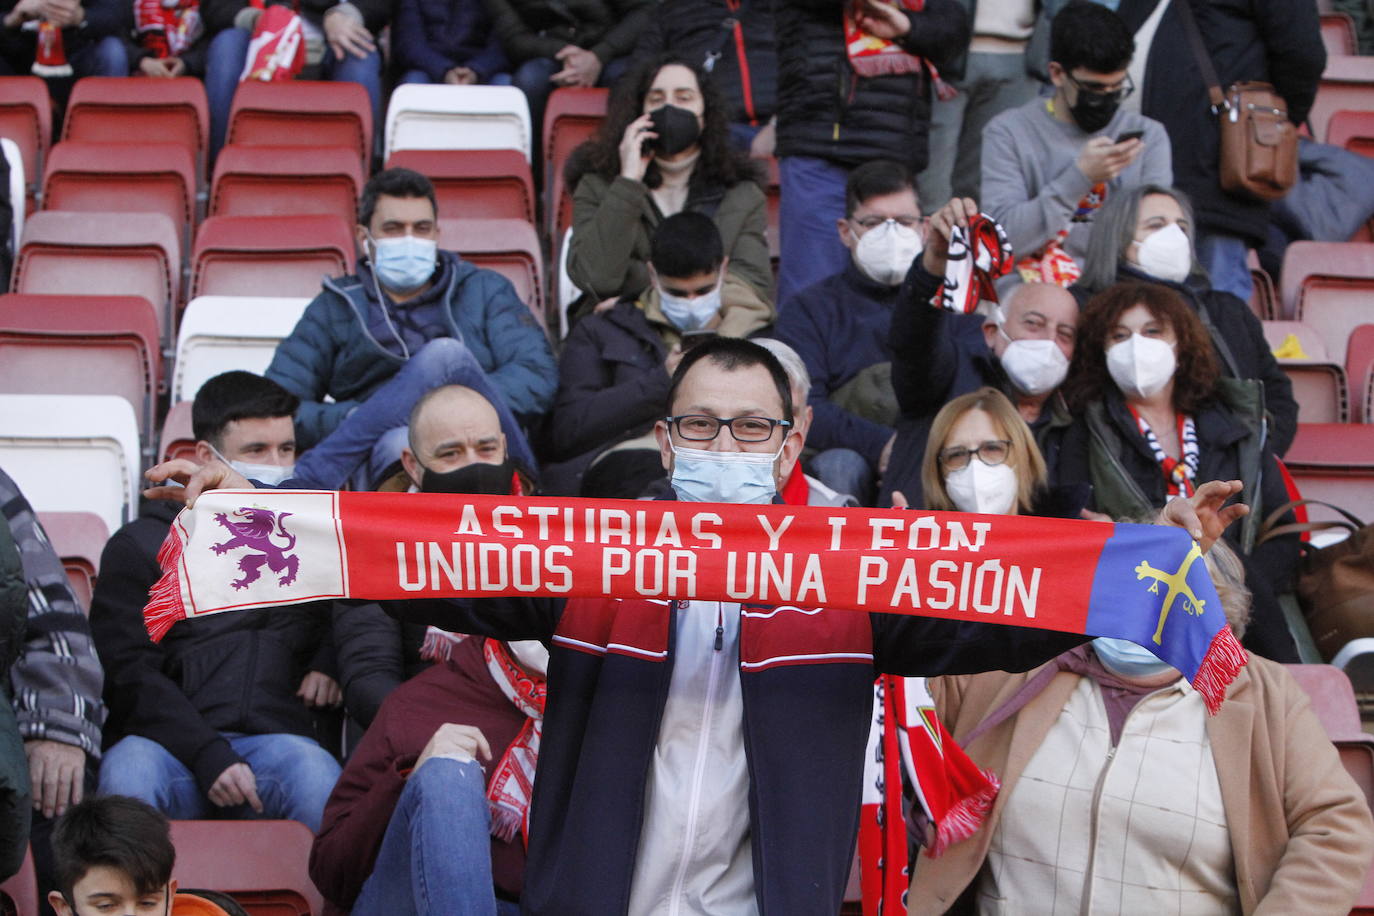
<point x="1021" y="347"/>
<point x="839" y="326"/>
<point x="676" y="770"/>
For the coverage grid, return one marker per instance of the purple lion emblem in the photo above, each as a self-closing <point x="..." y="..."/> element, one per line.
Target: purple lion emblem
<point x="256" y="534"/>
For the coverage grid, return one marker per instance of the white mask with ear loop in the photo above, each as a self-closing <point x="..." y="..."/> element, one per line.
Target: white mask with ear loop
<point x="1141" y="366"/>
<point x="1034" y="366"/>
<point x="885" y="252"/>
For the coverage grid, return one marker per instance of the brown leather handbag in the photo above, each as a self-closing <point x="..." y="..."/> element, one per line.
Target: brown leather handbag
<point x="1259" y="145"/>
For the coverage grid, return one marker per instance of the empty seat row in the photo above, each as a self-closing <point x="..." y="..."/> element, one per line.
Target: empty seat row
<point x="1327" y="390"/>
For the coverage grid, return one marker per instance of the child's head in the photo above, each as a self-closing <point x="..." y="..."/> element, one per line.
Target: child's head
<point x="112" y="855"/>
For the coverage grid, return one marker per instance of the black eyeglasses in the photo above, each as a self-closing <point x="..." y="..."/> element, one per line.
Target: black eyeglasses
<point x="701" y="428"/>
<point x="1118" y="94"/>
<point x="992" y="453"/>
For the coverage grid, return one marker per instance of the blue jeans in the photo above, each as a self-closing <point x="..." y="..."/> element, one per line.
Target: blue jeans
<point x="532" y="78"/>
<point x="106" y="57"/>
<point x="375" y="432"/>
<point x="436" y="855"/>
<point x="1224" y="256"/>
<point x="294" y="778"/>
<point x="846" y="471"/>
<point x="812" y="199"/>
<point x="224" y="62"/>
<point x="421" y="77"/>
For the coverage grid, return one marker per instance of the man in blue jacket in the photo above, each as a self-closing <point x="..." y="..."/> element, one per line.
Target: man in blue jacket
<point x="408" y="318"/>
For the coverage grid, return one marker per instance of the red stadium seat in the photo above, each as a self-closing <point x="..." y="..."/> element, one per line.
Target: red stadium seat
<point x="132" y="109"/>
<point x="1264" y="298"/>
<point x="26" y="118"/>
<point x="286" y="181"/>
<point x="1328" y="286"/>
<point x="22" y="888"/>
<point x="1334" y="462"/>
<point x="1347" y="83"/>
<point x="1353" y="130"/>
<point x="774" y="195"/>
<point x="1359" y="371"/>
<point x="81" y="345"/>
<point x="481" y="184"/>
<point x="1338" y="34"/>
<point x="144" y="178"/>
<point x="261" y="864"/>
<point x="122" y="254"/>
<point x="178" y="439"/>
<point x="1320" y="389"/>
<point x="303" y="113"/>
<point x="571" y="117"/>
<point x="269" y="255"/>
<point x="79" y="539"/>
<point x="508" y="246"/>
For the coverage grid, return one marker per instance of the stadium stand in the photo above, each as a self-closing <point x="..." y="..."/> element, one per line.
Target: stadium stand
<point x="1347" y="83"/>
<point x="17" y="189"/>
<point x="1359" y="371"/>
<point x="481" y="184"/>
<point x="302" y="113"/>
<point x="115" y="110"/>
<point x="1338" y="34"/>
<point x="1327" y="285"/>
<point x="571" y="117"/>
<point x="1353" y="130"/>
<point x="458" y="117"/>
<point x="73" y="453"/>
<point x="508" y="246"/>
<point x="79" y="539"/>
<point x="220" y="333"/>
<point x="177" y="440"/>
<point x="1334" y="462"/>
<point x="286" y="181"/>
<point x="117" y="178"/>
<point x="21" y="890"/>
<point x="1319" y="385"/>
<point x="124" y="254"/>
<point x="269" y="255"/>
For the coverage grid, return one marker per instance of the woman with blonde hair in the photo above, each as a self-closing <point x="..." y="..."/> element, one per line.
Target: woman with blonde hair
<point x="981" y="457"/>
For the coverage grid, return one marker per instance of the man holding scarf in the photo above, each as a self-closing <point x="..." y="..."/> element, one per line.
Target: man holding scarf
<point x="706" y="756"/>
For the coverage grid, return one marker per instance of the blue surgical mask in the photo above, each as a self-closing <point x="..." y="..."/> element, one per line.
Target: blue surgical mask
<point x="704" y="476"/>
<point x="405" y="263"/>
<point x="690" y="314"/>
<point x="1126" y="659"/>
<point x="270" y="474"/>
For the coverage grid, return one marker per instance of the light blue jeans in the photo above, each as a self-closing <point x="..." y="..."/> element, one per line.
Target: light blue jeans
<point x="436" y="855"/>
<point x="294" y="778"/>
<point x="1224" y="256"/>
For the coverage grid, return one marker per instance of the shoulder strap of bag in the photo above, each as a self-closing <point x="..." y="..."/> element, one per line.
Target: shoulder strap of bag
<point x="1271" y="529"/>
<point x="1204" y="60"/>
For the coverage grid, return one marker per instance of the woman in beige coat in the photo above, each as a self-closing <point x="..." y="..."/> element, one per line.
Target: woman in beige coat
<point x="1121" y="795"/>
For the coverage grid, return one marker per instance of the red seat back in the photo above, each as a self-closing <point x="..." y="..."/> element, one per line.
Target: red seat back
<point x="508" y="246"/>
<point x="22" y="888"/>
<point x="1320" y="390"/>
<point x="1338" y="34"/>
<point x="178" y="439"/>
<point x="264" y="865"/>
<point x="1353" y="130"/>
<point x="302" y="113"/>
<point x="81" y="345"/>
<point x="480" y="184"/>
<point x="1334" y="462"/>
<point x="125" y="254"/>
<point x="145" y="178"/>
<point x="571" y="117"/>
<point x="132" y="109"/>
<point x="1347" y="83"/>
<point x="269" y="255"/>
<point x="26" y="118"/>
<point x="286" y="181"/>
<point x="1359" y="370"/>
<point x="79" y="539"/>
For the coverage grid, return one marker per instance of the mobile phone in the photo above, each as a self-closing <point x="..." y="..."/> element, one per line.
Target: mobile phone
<point x="1129" y="135"/>
<point x="691" y="338"/>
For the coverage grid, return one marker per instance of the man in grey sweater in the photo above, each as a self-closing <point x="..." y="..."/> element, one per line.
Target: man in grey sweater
<point x="1049" y="164"/>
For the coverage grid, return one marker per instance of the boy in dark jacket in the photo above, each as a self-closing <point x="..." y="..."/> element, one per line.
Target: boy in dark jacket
<point x="409" y="315"/>
<point x="215" y="719"/>
<point x="446" y="41"/>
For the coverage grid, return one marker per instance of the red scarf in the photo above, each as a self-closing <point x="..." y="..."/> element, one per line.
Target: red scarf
<point x="977" y="257"/>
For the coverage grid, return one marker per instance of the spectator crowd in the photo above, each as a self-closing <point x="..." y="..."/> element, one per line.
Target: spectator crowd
<point x="1113" y="370"/>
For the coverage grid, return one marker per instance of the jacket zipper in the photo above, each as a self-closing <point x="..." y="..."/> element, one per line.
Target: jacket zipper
<point x="699" y="767"/>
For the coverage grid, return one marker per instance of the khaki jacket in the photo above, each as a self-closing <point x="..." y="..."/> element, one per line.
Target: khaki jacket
<point x="1275" y="765"/>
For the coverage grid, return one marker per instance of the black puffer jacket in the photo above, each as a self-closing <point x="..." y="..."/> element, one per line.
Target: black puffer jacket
<point x="531" y="29"/>
<point x="702" y="32"/>
<point x="827" y="111"/>
<point x="1277" y="41"/>
<point x="226" y="673"/>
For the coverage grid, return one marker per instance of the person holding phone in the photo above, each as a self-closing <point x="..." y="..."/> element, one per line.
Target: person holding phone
<point x="663" y="149"/>
<point x="616" y="364"/>
<point x="1049" y="164"/>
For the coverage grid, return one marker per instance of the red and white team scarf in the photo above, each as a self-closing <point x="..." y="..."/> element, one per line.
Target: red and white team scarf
<point x="50" y="58"/>
<point x="977" y="257"/>
<point x="512" y="782"/>
<point x="168" y="28"/>
<point x="1178" y="474"/>
<point x="908" y="740"/>
<point x="277" y="48"/>
<point x="872" y="56"/>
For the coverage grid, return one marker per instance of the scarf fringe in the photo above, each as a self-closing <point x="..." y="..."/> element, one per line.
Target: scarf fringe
<point x="165" y="608"/>
<point x="1223" y="661"/>
<point x="966" y="816"/>
<point x="505" y="822"/>
<point x="49" y="71"/>
<point x="891" y="63"/>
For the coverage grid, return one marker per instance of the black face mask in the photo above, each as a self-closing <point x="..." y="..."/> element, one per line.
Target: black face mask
<point x="490" y="479"/>
<point x="1094" y="110"/>
<point x="677" y="129"/>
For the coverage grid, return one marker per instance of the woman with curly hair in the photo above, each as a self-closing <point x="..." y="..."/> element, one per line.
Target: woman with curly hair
<point x="664" y="149"/>
<point x="1155" y="419"/>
